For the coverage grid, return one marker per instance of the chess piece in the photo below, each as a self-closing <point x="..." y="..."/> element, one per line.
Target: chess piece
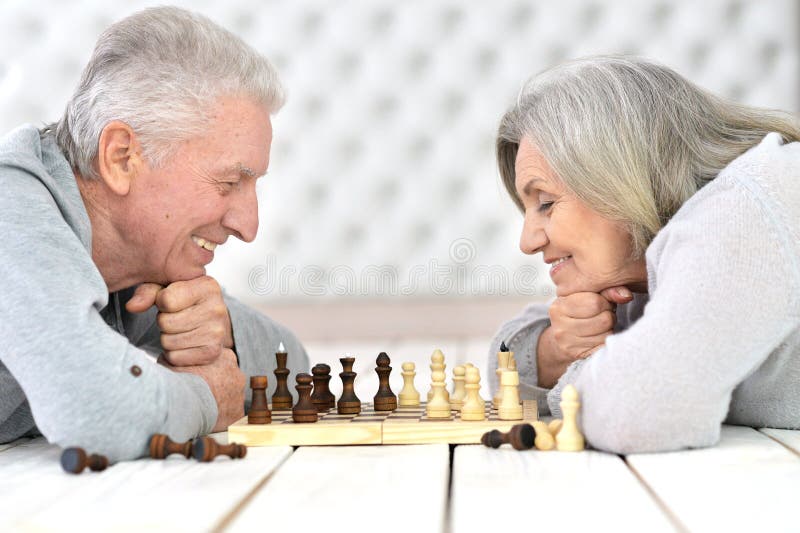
<point x="544" y="439"/>
<point x="384" y="400"/>
<point x="259" y="410"/>
<point x="322" y="397"/>
<point x="161" y="446"/>
<point x="304" y="410"/>
<point x="348" y="404"/>
<point x="282" y="399"/>
<point x="474" y="408"/>
<point x="569" y="438"/>
<point x="459" y="392"/>
<point x="520" y="437"/>
<point x="75" y="460"/>
<point x="409" y="396"/>
<point x="437" y="363"/>
<point x="554" y="426"/>
<point x="438" y="406"/>
<point x="503" y="361"/>
<point x="205" y="449"/>
<point x="509" y="407"/>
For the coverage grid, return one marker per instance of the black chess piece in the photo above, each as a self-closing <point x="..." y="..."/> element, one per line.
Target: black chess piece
<point x="322" y="396"/>
<point x="348" y="402"/>
<point x="75" y="460"/>
<point x="282" y="399"/>
<point x="520" y="436"/>
<point x="384" y="400"/>
<point x="259" y="410"/>
<point x="304" y="410"/>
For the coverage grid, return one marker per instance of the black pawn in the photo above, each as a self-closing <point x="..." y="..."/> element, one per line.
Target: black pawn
<point x="75" y="460"/>
<point x="520" y="437"/>
<point x="304" y="410"/>
<point x="322" y="397"/>
<point x="385" y="400"/>
<point x="259" y="411"/>
<point x="349" y="404"/>
<point x="282" y="399"/>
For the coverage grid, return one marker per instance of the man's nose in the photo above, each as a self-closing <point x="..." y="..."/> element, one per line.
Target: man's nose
<point x="533" y="237"/>
<point x="242" y="216"/>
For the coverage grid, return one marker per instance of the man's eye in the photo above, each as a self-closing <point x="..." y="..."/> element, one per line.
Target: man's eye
<point x="544" y="206"/>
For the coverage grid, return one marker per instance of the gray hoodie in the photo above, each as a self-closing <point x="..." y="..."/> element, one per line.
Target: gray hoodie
<point x="74" y="365"/>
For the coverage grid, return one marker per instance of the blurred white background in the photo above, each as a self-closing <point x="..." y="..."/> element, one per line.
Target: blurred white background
<point x="383" y="217"/>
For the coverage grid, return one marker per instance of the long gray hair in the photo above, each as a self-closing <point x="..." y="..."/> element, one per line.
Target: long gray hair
<point x="631" y="139"/>
<point x="159" y="71"/>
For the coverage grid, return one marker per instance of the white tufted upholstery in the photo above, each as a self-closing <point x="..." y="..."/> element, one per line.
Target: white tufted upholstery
<point x="384" y="153"/>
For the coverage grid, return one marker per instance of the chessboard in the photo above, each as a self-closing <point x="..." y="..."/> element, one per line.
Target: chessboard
<point x="404" y="425"/>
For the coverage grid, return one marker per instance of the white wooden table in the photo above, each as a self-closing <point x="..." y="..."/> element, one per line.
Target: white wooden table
<point x="749" y="482"/>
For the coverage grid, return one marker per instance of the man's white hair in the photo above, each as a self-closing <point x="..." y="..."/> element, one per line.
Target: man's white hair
<point x="631" y="139"/>
<point x="160" y="71"/>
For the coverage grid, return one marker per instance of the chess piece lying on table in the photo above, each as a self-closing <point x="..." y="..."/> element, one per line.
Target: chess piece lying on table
<point x="161" y="446"/>
<point x="205" y="449"/>
<point x="75" y="460"/>
<point x="520" y="437"/>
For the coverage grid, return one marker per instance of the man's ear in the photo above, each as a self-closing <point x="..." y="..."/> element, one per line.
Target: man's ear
<point x="118" y="156"/>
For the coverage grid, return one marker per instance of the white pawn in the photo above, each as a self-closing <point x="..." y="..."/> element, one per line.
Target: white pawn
<point x="439" y="405"/>
<point x="510" y="407"/>
<point x="503" y="359"/>
<point x="459" y="392"/>
<point x="437" y="364"/>
<point x="409" y="396"/>
<point x="474" y="406"/>
<point x="569" y="437"/>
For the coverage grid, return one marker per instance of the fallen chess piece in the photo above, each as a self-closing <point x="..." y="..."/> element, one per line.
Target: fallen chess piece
<point x="205" y="449"/>
<point x="75" y="460"/>
<point x="520" y="437"/>
<point x="161" y="446"/>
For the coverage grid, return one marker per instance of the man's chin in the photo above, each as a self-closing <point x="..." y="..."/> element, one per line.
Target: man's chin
<point x="186" y="274"/>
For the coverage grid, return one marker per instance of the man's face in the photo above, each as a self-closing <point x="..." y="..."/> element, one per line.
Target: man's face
<point x="205" y="192"/>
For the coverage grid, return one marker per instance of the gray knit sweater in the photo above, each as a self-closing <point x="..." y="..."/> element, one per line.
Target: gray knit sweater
<point x="68" y="347"/>
<point x="719" y="339"/>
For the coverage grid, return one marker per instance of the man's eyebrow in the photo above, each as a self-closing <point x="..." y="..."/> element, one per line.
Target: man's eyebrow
<point x="239" y="168"/>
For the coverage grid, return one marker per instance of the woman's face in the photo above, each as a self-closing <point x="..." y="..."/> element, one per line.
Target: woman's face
<point x="586" y="252"/>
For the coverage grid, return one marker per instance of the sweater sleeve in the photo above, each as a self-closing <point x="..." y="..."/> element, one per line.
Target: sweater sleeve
<point x="87" y="385"/>
<point x="727" y="294"/>
<point x="256" y="338"/>
<point x="521" y="335"/>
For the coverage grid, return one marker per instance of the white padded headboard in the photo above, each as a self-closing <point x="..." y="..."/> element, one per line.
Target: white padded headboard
<point x="382" y="164"/>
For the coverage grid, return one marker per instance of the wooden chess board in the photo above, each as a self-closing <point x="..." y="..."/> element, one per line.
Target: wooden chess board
<point x="405" y="425"/>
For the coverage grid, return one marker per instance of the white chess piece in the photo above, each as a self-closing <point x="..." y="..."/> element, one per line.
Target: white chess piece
<point x="509" y="407"/>
<point x="474" y="406"/>
<point x="439" y="405"/>
<point x="437" y="364"/>
<point x="503" y="359"/>
<point x="569" y="437"/>
<point x="459" y="392"/>
<point x="409" y="396"/>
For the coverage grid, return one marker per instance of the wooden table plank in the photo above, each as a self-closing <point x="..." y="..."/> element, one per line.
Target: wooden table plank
<point x="788" y="437"/>
<point x="746" y="483"/>
<point x="503" y="489"/>
<point x="175" y="494"/>
<point x="355" y="488"/>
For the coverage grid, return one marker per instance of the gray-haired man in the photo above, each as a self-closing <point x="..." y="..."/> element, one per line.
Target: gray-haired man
<point x="109" y="218"/>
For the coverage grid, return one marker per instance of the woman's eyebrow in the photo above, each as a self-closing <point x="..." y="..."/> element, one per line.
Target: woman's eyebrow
<point x="526" y="190"/>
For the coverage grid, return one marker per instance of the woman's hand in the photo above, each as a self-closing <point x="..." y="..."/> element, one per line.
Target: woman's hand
<point x="579" y="325"/>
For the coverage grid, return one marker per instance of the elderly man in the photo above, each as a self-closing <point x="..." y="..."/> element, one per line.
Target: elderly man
<point x="108" y="218"/>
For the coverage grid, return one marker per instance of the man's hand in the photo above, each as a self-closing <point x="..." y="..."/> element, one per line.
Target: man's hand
<point x="193" y="318"/>
<point x="227" y="384"/>
<point x="579" y="325"/>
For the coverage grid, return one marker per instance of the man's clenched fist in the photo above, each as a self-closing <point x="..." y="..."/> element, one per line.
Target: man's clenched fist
<point x="193" y="318"/>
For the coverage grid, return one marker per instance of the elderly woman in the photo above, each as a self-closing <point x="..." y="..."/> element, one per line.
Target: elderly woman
<point x="670" y="219"/>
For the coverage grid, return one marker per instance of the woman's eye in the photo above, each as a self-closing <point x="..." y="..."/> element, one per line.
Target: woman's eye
<point x="544" y="206"/>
